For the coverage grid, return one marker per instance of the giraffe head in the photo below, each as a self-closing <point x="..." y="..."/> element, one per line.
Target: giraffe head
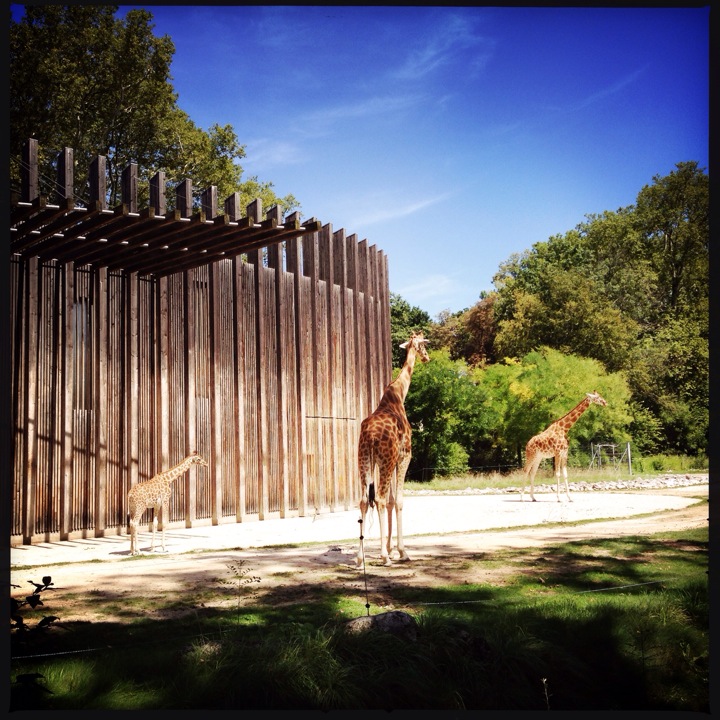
<point x="418" y="342"/>
<point x="596" y="398"/>
<point x="198" y="460"/>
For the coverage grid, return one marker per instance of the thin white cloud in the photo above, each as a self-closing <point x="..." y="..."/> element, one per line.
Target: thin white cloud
<point x="269" y="152"/>
<point x="454" y="36"/>
<point x="397" y="210"/>
<point x="312" y="123"/>
<point x="615" y="88"/>
<point x="435" y="285"/>
<point x="608" y="91"/>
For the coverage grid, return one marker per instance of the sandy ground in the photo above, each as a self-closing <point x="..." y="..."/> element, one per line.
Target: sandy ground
<point x="288" y="560"/>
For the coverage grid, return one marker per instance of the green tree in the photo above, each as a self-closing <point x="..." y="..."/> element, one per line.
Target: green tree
<point x="672" y="215"/>
<point x="568" y="312"/>
<point x="670" y="380"/>
<point x="446" y="409"/>
<point x="546" y="384"/>
<point x="81" y="78"/>
<point x="404" y="321"/>
<point x="630" y="289"/>
<point x="469" y="334"/>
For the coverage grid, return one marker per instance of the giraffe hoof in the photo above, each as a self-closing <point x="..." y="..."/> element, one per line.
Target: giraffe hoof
<point x="404" y="557"/>
<point x="386" y="561"/>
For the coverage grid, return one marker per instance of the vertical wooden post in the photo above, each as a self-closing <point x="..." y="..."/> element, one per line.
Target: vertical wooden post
<point x="183" y="195"/>
<point x="354" y="357"/>
<point x="29" y="471"/>
<point x="326" y="385"/>
<point x="68" y="343"/>
<point x="255" y="257"/>
<point x="342" y="386"/>
<point x="208" y="202"/>
<point x="311" y="264"/>
<point x="98" y="181"/>
<point x="216" y="435"/>
<point x="294" y="265"/>
<point x="129" y="187"/>
<point x="280" y="365"/>
<point x="100" y="400"/>
<point x="190" y="393"/>
<point x="368" y="347"/>
<point x="133" y="363"/>
<point x="157" y="193"/>
<point x="232" y="207"/>
<point x="232" y="210"/>
<point x="64" y="185"/>
<point x="162" y="428"/>
<point x="29" y="171"/>
<point x="385" y="295"/>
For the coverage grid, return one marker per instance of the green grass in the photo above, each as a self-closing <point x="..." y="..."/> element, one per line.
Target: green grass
<point x="607" y="624"/>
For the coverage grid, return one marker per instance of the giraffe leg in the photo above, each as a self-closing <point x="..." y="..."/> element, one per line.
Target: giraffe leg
<point x="402" y="470"/>
<point x="565" y="475"/>
<point x="165" y="514"/>
<point x="381" y="504"/>
<point x="156" y="511"/>
<point x="135" y="510"/>
<point x="558" y="473"/>
<point x="365" y="480"/>
<point x="530" y="470"/>
<point x="363" y="513"/>
<point x="133" y="537"/>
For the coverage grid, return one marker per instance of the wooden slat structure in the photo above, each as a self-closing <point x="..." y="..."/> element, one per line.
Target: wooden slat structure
<point x="138" y="337"/>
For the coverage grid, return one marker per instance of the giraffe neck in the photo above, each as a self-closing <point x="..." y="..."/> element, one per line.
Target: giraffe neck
<point x="179" y="469"/>
<point x="402" y="381"/>
<point x="567" y="421"/>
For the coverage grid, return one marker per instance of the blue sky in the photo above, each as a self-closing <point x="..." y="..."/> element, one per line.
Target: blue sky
<point x="450" y="137"/>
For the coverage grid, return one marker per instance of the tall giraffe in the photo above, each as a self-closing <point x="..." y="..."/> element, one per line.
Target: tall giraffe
<point x="385" y="442"/>
<point x="553" y="442"/>
<point x="155" y="493"/>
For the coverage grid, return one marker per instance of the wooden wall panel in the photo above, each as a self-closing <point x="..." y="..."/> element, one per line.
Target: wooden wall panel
<point x="201" y="292"/>
<point x="224" y="456"/>
<point x="266" y="367"/>
<point x="249" y="394"/>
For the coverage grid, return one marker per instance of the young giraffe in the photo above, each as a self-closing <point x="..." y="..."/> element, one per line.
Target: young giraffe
<point x="155" y="493"/>
<point x="553" y="442"/>
<point x="385" y="442"/>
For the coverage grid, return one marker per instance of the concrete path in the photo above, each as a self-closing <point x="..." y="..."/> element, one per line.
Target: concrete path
<point x="423" y="515"/>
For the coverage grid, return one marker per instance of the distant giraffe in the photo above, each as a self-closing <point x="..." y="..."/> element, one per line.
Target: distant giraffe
<point x="385" y="441"/>
<point x="155" y="493"/>
<point x="553" y="442"/>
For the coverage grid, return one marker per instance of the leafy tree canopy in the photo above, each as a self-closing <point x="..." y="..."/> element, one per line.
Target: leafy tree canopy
<point x="544" y="385"/>
<point x="630" y="289"/>
<point x="84" y="79"/>
<point x="404" y="321"/>
<point x="446" y="409"/>
<point x="469" y="334"/>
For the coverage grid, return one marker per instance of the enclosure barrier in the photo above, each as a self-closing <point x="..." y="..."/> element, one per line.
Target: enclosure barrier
<point x="138" y="337"/>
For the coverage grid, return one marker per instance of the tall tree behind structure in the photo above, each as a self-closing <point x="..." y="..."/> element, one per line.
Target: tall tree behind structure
<point x="82" y="78"/>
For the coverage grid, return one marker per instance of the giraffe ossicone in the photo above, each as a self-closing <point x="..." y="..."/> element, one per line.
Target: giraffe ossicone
<point x="553" y="443"/>
<point x="385" y="444"/>
<point x="155" y="493"/>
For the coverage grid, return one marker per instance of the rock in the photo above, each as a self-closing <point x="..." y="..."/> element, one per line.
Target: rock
<point x="395" y="622"/>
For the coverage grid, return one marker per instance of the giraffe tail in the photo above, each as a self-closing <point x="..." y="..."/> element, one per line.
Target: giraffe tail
<point x="371" y="495"/>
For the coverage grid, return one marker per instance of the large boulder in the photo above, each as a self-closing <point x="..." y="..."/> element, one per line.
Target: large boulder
<point x="395" y="622"/>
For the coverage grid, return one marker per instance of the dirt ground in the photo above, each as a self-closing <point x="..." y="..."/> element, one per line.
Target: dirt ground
<point x="178" y="583"/>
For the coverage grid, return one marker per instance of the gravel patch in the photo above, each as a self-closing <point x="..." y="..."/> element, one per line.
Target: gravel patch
<point x="635" y="483"/>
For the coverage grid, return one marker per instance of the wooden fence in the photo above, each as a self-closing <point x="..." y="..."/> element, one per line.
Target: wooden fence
<point x="264" y="360"/>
